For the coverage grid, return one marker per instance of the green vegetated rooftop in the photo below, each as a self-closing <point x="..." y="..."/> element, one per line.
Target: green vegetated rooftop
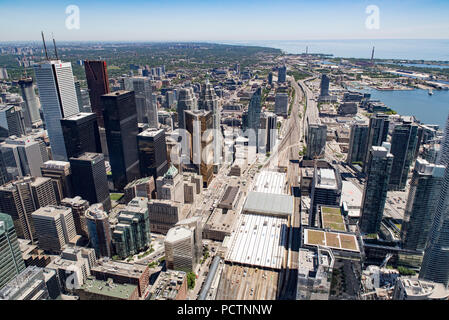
<point x="332" y="219"/>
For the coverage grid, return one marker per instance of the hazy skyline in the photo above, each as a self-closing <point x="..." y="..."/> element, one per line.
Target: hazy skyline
<point x="223" y="20"/>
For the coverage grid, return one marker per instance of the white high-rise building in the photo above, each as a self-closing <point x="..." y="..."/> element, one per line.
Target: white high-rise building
<point x="58" y="99"/>
<point x="54" y="227"/>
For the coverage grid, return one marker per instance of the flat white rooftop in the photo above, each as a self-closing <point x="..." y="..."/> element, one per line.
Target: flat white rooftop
<point x="351" y="195"/>
<point x="269" y="204"/>
<point x="327" y="177"/>
<point x="270" y="182"/>
<point x="258" y="241"/>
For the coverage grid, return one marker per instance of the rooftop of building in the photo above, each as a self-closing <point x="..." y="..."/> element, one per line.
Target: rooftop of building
<point x="178" y="233"/>
<point x="416" y="287"/>
<point x="331" y="239"/>
<point x="198" y="112"/>
<point x="222" y="220"/>
<point x="151" y="132"/>
<point x="79" y="116"/>
<point x="31" y="273"/>
<point x="116" y="93"/>
<point x="326" y="178"/>
<point x="171" y="172"/>
<point x="19" y="141"/>
<point x="351" y="194"/>
<point x="109" y="288"/>
<point x="51" y="211"/>
<point x="229" y="195"/>
<point x="309" y="260"/>
<point x="74" y="201"/>
<point x="121" y="268"/>
<point x="380" y="151"/>
<point x="269" y="204"/>
<point x="137" y="203"/>
<point x="139" y="181"/>
<point x="270" y="182"/>
<point x="167" y="285"/>
<point x="88" y="156"/>
<point x="258" y="241"/>
<point x="96" y="211"/>
<point x="332" y="219"/>
<point x="54" y="164"/>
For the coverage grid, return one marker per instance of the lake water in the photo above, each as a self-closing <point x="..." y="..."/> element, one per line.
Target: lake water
<point x="427" y="109"/>
<point x="432" y="50"/>
<point x="420" y="65"/>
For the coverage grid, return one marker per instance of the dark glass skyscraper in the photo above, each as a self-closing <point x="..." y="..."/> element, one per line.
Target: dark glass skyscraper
<point x="89" y="178"/>
<point x="358" y="143"/>
<point x="152" y="153"/>
<point x="421" y="203"/>
<point x="11" y="121"/>
<point x="282" y="74"/>
<point x="403" y="145"/>
<point x="377" y="134"/>
<point x="120" y="120"/>
<point x="316" y="141"/>
<point x="435" y="266"/>
<point x="324" y="86"/>
<point x="98" y="84"/>
<point x="379" y="166"/>
<point x="81" y="134"/>
<point x="253" y="117"/>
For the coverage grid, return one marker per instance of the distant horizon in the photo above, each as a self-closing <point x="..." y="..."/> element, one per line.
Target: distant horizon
<point x="48" y="37"/>
<point x="233" y="20"/>
<point x="397" y="49"/>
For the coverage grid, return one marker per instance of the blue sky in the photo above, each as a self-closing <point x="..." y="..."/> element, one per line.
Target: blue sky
<point x="201" y="20"/>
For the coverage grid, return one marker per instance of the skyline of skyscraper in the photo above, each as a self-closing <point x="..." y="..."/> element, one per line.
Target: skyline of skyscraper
<point x="403" y="144"/>
<point x="377" y="133"/>
<point x="89" y="178"/>
<point x="316" y="141"/>
<point x="435" y="265"/>
<point x="358" y="142"/>
<point x="152" y="153"/>
<point x="120" y="119"/>
<point x="422" y="199"/>
<point x="98" y="84"/>
<point x="32" y="115"/>
<point x="146" y="110"/>
<point x="99" y="230"/>
<point x="210" y="101"/>
<point x="22" y="197"/>
<point x="81" y="134"/>
<point x="282" y="74"/>
<point x="253" y="117"/>
<point x="58" y="99"/>
<point x="376" y="186"/>
<point x="186" y="101"/>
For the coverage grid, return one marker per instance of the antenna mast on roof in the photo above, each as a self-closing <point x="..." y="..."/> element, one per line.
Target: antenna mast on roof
<point x="54" y="44"/>
<point x="45" y="47"/>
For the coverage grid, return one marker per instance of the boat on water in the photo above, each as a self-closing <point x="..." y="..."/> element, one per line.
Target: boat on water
<point x="430" y="92"/>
